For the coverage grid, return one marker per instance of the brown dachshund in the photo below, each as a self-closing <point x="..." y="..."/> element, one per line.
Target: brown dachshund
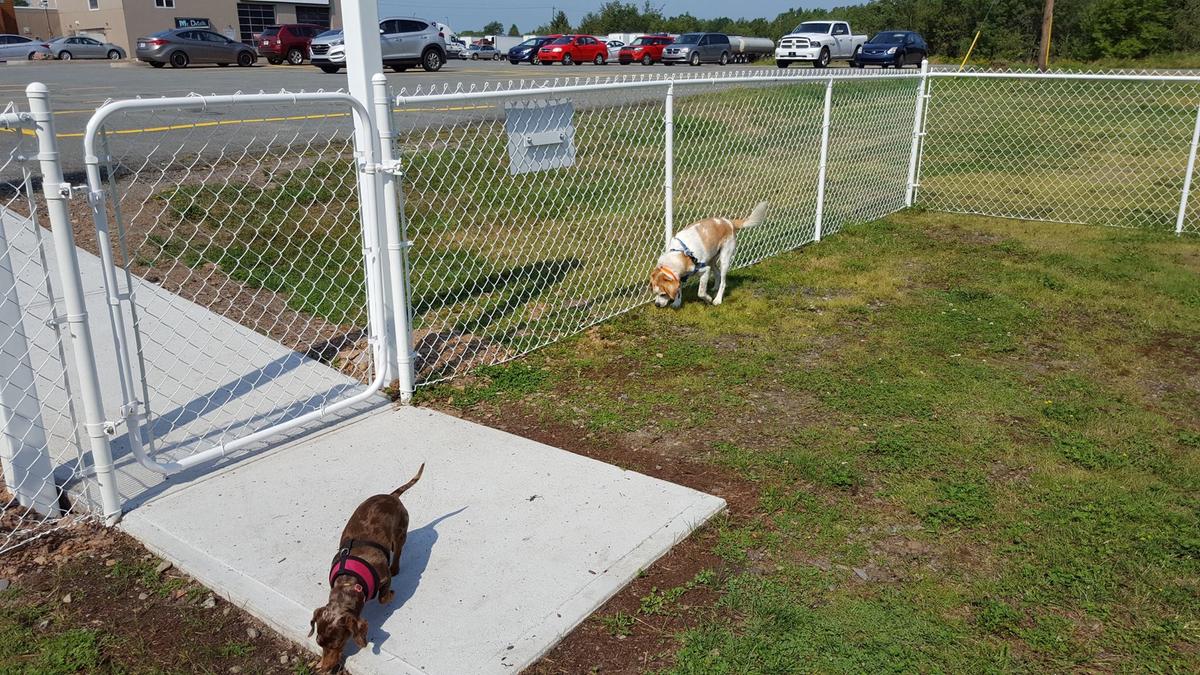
<point x="368" y="558"/>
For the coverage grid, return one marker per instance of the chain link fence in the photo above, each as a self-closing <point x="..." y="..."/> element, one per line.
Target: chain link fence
<point x="233" y="280"/>
<point x="1109" y="151"/>
<point x="41" y="453"/>
<point x="505" y="260"/>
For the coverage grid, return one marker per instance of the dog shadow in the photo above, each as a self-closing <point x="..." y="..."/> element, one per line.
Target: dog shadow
<point x="413" y="561"/>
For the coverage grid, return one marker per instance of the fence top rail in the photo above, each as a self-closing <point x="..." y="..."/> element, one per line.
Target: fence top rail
<point x="1031" y="75"/>
<point x="521" y="88"/>
<point x="196" y="101"/>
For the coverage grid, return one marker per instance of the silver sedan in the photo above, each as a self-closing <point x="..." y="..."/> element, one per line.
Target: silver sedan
<point x="19" y="47"/>
<point x="83" y="47"/>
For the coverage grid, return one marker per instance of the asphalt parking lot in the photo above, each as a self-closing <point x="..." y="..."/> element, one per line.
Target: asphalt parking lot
<point x="79" y="87"/>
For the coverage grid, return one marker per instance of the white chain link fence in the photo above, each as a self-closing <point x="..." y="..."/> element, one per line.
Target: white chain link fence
<point x="245" y="276"/>
<point x="41" y="453"/>
<point x="1109" y="151"/>
<point x="506" y="261"/>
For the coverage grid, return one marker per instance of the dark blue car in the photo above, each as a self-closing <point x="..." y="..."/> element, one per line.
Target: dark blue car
<point x="897" y="48"/>
<point x="527" y="51"/>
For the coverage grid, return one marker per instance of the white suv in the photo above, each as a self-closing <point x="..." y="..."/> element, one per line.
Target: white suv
<point x="405" y="42"/>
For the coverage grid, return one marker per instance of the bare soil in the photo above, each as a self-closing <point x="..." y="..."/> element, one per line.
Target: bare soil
<point x="84" y="577"/>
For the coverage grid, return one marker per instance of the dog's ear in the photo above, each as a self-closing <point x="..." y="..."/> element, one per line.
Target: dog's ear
<point x="358" y="631"/>
<point x="312" y="624"/>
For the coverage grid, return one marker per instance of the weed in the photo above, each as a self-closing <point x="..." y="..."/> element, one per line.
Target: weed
<point x="618" y="625"/>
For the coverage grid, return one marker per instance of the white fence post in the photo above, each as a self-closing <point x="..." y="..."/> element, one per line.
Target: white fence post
<point x="820" y="219"/>
<point x="669" y="178"/>
<point x="1187" y="177"/>
<point x="917" y="134"/>
<point x="56" y="193"/>
<point x="396" y="239"/>
<point x="364" y="60"/>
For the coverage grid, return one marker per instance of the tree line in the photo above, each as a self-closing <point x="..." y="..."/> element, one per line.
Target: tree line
<point x="1083" y="29"/>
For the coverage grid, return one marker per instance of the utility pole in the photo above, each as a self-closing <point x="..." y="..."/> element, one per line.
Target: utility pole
<point x="1047" y="29"/>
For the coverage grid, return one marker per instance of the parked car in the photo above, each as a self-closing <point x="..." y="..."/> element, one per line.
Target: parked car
<point x="21" y="47"/>
<point x="286" y="42"/>
<point x="70" y="47"/>
<point x="405" y="42"/>
<point x="647" y="49"/>
<point x="614" y="49"/>
<point x="819" y="42"/>
<point x="528" y="50"/>
<point x="697" y="48"/>
<point x="181" y="47"/>
<point x="897" y="48"/>
<point x="577" y="49"/>
<point x="456" y="50"/>
<point x="482" y="51"/>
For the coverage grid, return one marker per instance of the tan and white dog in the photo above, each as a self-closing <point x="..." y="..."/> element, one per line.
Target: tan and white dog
<point x="698" y="248"/>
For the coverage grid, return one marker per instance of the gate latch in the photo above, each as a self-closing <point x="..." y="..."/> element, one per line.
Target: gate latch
<point x="67" y="190"/>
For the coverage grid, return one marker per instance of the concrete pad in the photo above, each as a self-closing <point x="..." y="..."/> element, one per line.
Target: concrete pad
<point x="512" y="542"/>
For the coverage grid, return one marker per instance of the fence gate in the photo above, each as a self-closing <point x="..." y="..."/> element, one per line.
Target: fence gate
<point x="232" y="248"/>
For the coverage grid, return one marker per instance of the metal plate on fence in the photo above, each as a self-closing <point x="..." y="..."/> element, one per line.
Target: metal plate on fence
<point x="541" y="135"/>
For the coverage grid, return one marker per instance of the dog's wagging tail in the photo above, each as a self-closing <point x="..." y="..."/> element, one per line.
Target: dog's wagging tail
<point x="698" y="248"/>
<point x="404" y="488"/>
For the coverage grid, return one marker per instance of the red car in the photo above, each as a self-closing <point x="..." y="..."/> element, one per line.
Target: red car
<point x="648" y="49"/>
<point x="575" y="49"/>
<point x="286" y="42"/>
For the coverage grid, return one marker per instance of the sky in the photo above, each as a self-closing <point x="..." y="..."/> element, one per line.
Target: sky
<point x="528" y="14"/>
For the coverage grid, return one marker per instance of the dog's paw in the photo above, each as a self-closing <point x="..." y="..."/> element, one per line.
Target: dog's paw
<point x="386" y="598"/>
<point x="716" y="301"/>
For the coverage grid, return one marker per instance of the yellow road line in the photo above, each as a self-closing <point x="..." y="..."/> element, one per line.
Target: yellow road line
<point x="252" y="120"/>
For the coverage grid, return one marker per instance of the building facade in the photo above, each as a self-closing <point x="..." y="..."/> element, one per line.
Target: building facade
<point x="123" y="21"/>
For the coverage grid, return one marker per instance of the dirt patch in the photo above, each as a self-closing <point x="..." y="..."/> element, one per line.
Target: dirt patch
<point x="147" y="616"/>
<point x="957" y="234"/>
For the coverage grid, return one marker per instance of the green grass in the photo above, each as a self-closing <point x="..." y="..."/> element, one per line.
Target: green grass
<point x="995" y="420"/>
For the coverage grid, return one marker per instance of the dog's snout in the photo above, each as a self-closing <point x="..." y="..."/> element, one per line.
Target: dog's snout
<point x="661" y="301"/>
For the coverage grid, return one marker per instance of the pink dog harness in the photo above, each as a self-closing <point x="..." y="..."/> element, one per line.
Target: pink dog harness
<point x="345" y="564"/>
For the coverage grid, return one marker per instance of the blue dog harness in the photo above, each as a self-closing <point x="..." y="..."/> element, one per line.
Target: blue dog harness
<point x="677" y="246"/>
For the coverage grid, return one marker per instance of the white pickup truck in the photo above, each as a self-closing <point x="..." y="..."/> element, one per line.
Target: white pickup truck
<point x="818" y="42"/>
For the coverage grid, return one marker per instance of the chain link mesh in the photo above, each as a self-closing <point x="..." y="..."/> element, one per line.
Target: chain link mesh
<point x="238" y="228"/>
<point x="1106" y="152"/>
<point x="40" y="448"/>
<point x="503" y="264"/>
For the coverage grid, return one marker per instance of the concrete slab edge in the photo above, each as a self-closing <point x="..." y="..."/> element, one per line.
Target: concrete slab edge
<point x="583" y="604"/>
